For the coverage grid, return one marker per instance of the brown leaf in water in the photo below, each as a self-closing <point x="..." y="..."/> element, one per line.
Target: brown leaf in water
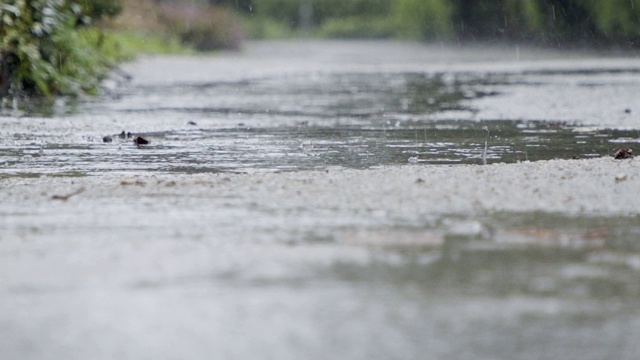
<point x="129" y="183"/>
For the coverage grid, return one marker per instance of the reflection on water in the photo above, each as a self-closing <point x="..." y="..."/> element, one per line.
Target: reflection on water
<point x="302" y="122"/>
<point x="244" y="148"/>
<point x="305" y="279"/>
<point x="503" y="254"/>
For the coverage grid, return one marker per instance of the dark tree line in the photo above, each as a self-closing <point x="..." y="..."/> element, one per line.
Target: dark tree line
<point x="543" y="21"/>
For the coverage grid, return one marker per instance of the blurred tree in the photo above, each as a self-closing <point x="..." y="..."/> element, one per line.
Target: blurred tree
<point x="558" y="22"/>
<point x="617" y="19"/>
<point x="525" y="19"/>
<point x="480" y="19"/>
<point x="423" y="19"/>
<point x="568" y="20"/>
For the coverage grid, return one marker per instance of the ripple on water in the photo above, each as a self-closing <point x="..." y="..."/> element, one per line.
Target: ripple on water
<point x="298" y="122"/>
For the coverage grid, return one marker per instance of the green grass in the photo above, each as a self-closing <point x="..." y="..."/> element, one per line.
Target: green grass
<point x="357" y="27"/>
<point x="264" y="28"/>
<point x="126" y="45"/>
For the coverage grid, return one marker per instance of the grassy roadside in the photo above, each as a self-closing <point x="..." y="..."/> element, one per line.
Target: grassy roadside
<point x="124" y="45"/>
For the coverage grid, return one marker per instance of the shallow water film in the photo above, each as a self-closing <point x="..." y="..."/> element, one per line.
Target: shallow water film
<point x="315" y="118"/>
<point x="313" y="200"/>
<point x="304" y="147"/>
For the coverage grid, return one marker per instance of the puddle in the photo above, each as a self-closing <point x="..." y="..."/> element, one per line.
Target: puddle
<point x="538" y="254"/>
<point x="305" y="147"/>
<point x="347" y="264"/>
<point x="297" y="123"/>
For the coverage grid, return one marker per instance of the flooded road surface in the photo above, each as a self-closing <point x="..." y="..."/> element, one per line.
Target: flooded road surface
<point x="351" y="106"/>
<point x="328" y="200"/>
<point x="303" y="147"/>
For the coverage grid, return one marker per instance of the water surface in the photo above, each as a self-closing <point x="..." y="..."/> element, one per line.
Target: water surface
<point x="104" y="242"/>
<point x="306" y="121"/>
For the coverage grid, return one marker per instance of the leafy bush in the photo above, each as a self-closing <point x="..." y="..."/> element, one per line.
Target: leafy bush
<point x="43" y="52"/>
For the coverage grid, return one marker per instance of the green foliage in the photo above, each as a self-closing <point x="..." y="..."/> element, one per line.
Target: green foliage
<point x="423" y="19"/>
<point x="43" y="52"/>
<point x="557" y="22"/>
<point x="525" y="17"/>
<point x="616" y="19"/>
<point x="283" y="11"/>
<point x="126" y="45"/>
<point x="97" y="9"/>
<point x="263" y="27"/>
<point x="357" y="27"/>
<point x="288" y="11"/>
<point x="331" y="9"/>
<point x="568" y="22"/>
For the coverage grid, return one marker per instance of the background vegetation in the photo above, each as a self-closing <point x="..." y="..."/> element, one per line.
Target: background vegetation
<point x="197" y="24"/>
<point x="50" y="47"/>
<point x="66" y="47"/>
<point x="554" y="22"/>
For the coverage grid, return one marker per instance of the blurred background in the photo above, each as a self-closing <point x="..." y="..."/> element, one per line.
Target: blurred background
<point x="215" y="24"/>
<point x="117" y="30"/>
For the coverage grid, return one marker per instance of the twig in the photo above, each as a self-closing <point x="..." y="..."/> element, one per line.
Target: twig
<point x="66" y="197"/>
<point x="486" y="141"/>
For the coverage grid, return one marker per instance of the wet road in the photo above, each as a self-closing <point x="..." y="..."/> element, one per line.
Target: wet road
<point x="275" y="107"/>
<point x="314" y="200"/>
